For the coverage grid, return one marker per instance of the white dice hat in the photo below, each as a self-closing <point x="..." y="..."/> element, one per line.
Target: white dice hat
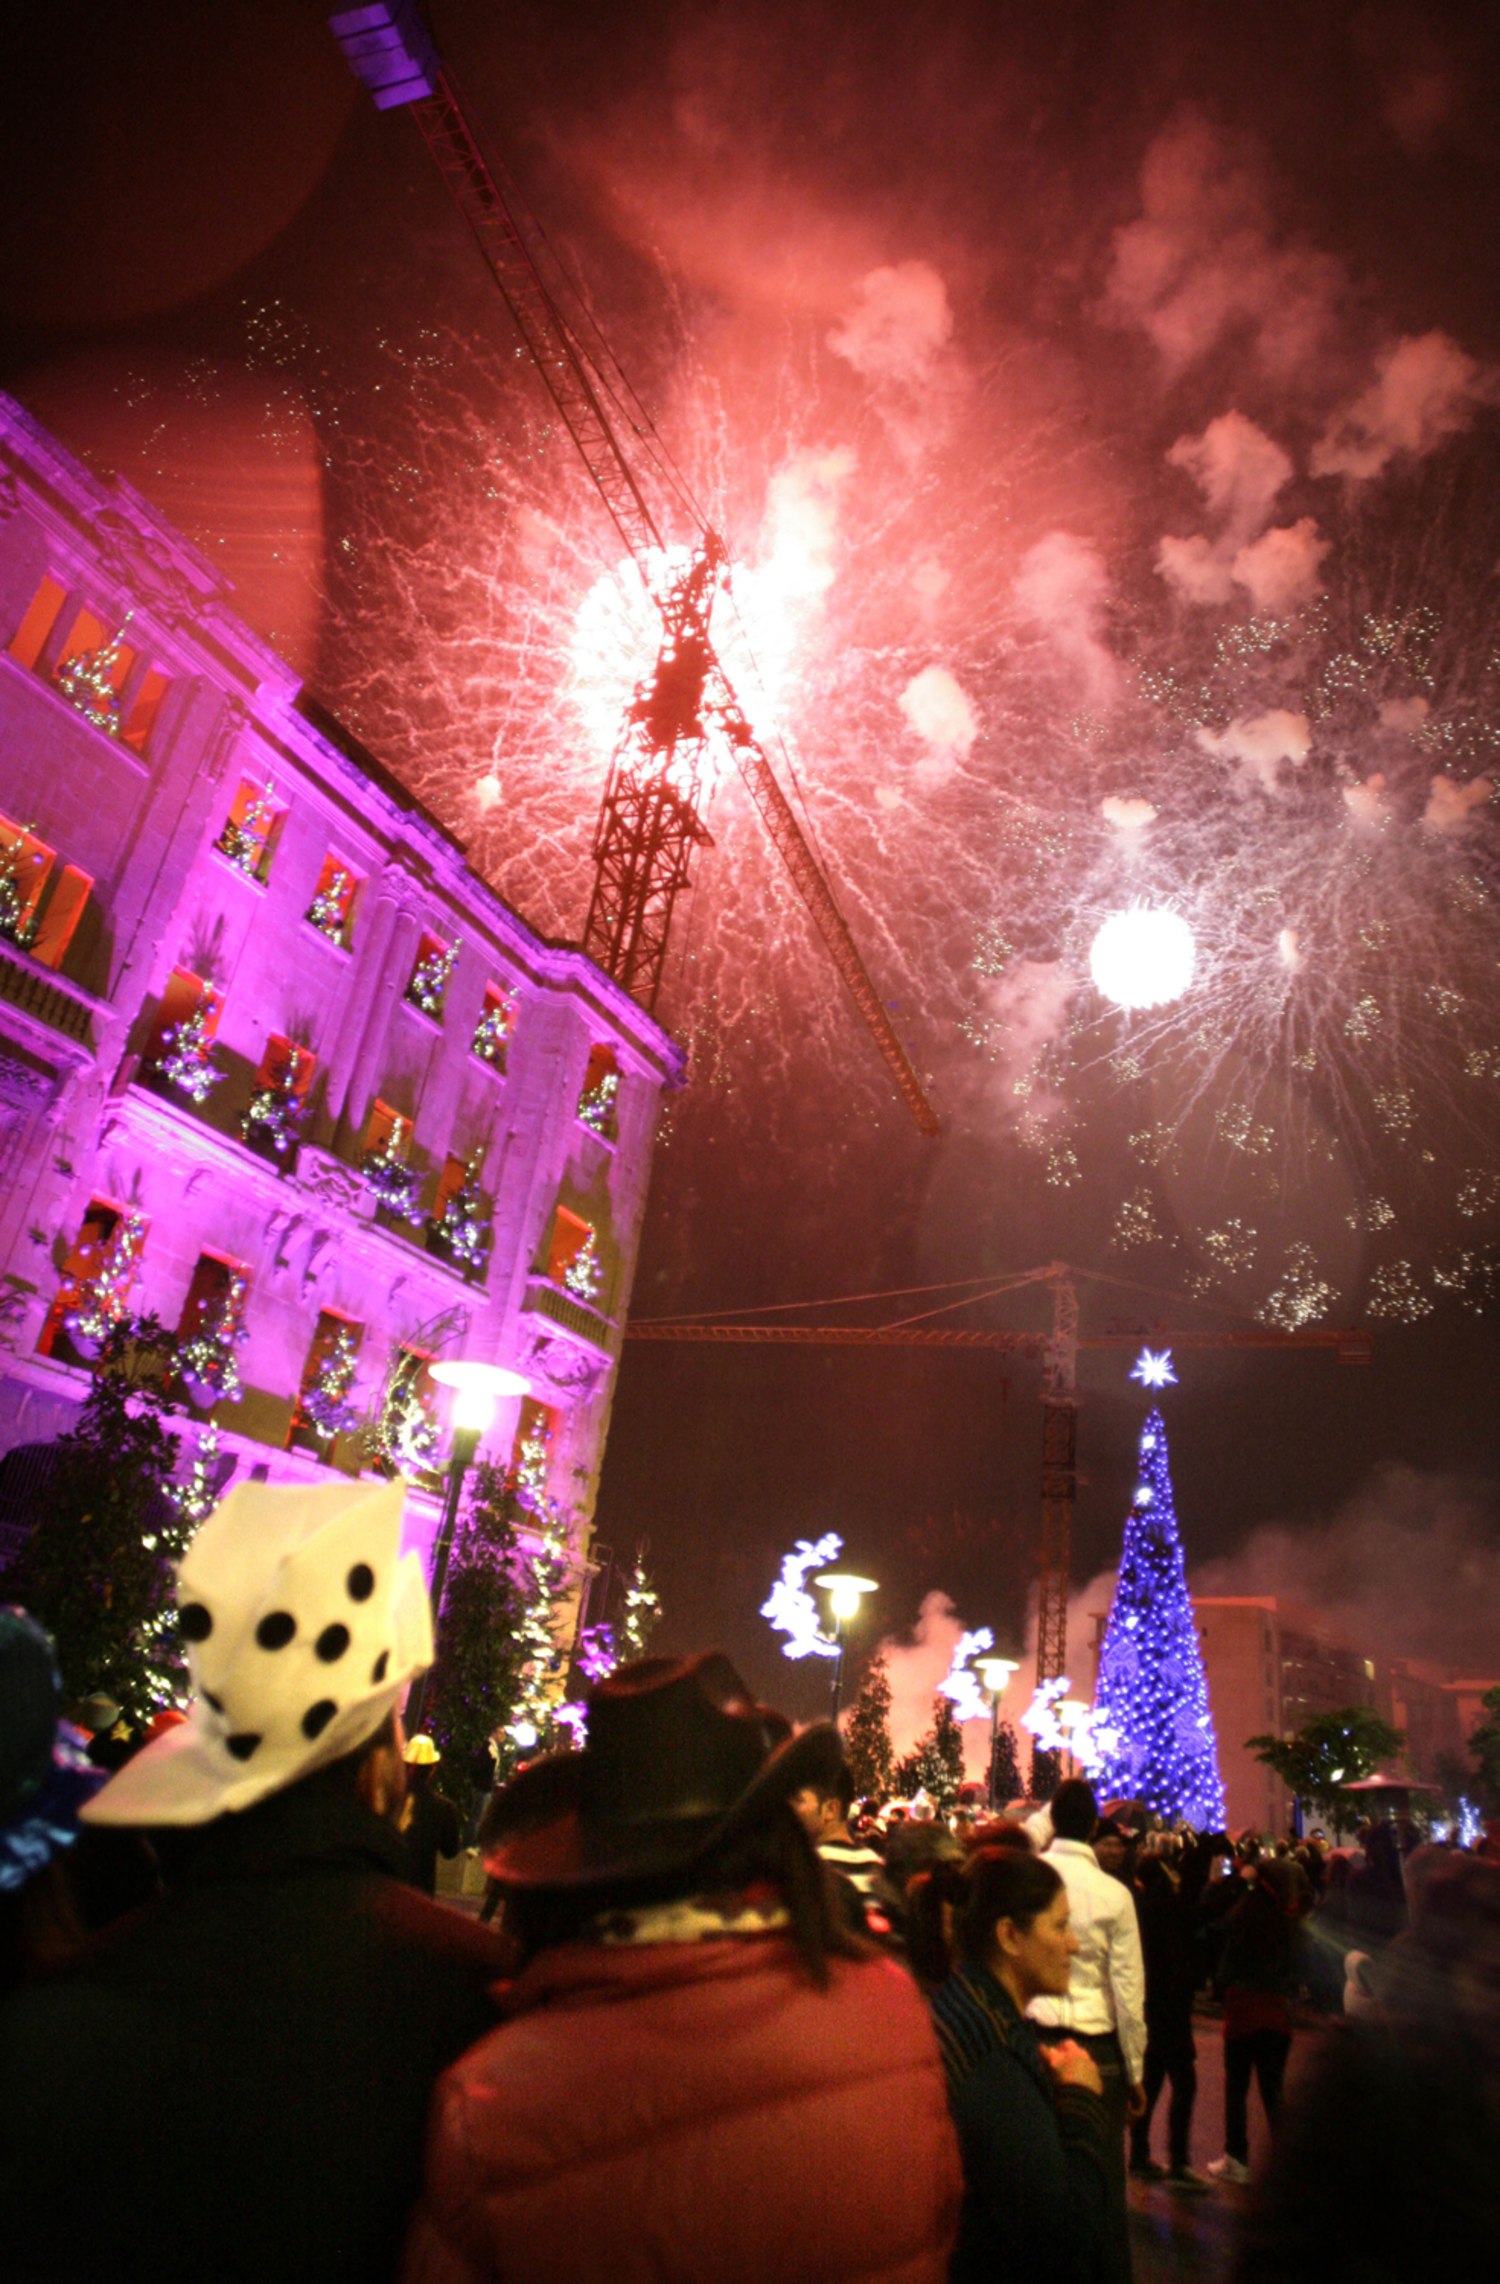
<point x="305" y="1623"/>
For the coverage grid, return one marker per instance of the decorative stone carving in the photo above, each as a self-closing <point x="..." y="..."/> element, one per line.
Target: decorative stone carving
<point x="329" y="1180"/>
<point x="144" y="567"/>
<point x="16" y="1296"/>
<point x="566" y="1369"/>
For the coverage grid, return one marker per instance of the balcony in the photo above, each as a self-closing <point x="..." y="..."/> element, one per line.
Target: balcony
<point x="45" y="997"/>
<point x="570" y="1316"/>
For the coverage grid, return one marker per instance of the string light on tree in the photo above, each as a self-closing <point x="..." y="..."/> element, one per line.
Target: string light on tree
<point x="1152" y="1693"/>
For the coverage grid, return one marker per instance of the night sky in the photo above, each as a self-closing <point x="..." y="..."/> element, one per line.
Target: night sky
<point x="1104" y="406"/>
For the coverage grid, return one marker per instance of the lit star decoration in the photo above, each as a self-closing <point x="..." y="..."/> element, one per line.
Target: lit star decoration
<point x="962" y="1686"/>
<point x="791" y="1610"/>
<point x="1151" y="1690"/>
<point x="1154" y="1370"/>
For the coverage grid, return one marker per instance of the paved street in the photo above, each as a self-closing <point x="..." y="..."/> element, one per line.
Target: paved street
<point x="1180" y="2239"/>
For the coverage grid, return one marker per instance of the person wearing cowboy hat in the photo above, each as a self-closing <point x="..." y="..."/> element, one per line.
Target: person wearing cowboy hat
<point x="268" y="2032"/>
<point x="702" y="2071"/>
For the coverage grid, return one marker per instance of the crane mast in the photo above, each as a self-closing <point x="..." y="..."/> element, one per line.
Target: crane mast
<point x="649" y="823"/>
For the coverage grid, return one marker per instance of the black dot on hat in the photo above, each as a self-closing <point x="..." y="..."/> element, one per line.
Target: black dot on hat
<point x="242" y="1746"/>
<point x="317" y="1717"/>
<point x="332" y="1643"/>
<point x="216" y="1702"/>
<point x="378" y="1670"/>
<point x="276" y="1630"/>
<point x="194" y="1623"/>
<point x="360" y="1582"/>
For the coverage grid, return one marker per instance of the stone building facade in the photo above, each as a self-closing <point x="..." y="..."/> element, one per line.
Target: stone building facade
<point x="275" y="1065"/>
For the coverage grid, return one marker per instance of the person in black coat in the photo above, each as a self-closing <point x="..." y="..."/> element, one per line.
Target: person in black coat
<point x="429" y="1821"/>
<point x="1030" y="2118"/>
<point x="261" y="2042"/>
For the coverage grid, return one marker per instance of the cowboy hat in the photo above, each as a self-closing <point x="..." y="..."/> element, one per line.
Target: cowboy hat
<point x="304" y="1623"/>
<point x="678" y="1758"/>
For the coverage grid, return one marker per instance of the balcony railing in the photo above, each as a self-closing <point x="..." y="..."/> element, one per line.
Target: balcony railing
<point x="569" y="1315"/>
<point x="46" y="997"/>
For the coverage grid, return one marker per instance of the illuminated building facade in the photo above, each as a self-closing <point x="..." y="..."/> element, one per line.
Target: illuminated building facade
<point x="275" y="1065"/>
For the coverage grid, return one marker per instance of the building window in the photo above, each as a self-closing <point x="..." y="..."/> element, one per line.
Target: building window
<point x="278" y="1099"/>
<point x="573" y="1257"/>
<point x="211" y="1330"/>
<point x="180" y="1052"/>
<point x="427" y="987"/>
<point x="331" y="911"/>
<point x="39" y="909"/>
<point x="601" y="1088"/>
<point x="110" y="681"/>
<point x="97" y="1276"/>
<point x="384" y="1165"/>
<point x="497" y="1020"/>
<point x="250" y="830"/>
<point x="325" y="1409"/>
<point x="531" y="1453"/>
<point x="458" y="1229"/>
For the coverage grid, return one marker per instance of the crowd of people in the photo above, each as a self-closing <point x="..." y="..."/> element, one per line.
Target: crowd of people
<point x="729" y="2023"/>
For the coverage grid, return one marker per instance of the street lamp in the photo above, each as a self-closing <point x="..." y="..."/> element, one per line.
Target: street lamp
<point x="845" y="1592"/>
<point x="477" y="1389"/>
<point x="995" y="1673"/>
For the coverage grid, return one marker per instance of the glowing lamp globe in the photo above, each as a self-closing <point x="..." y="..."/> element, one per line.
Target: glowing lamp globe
<point x="1143" y="958"/>
<point x="477" y="1389"/>
<point x="995" y="1673"/>
<point x="845" y="1592"/>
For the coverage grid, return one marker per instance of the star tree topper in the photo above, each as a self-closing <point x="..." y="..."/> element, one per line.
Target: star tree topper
<point x="1153" y="1370"/>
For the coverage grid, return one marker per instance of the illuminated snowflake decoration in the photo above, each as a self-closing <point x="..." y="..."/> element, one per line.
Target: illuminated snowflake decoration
<point x="789" y="1609"/>
<point x="962" y="1687"/>
<point x="1153" y="1369"/>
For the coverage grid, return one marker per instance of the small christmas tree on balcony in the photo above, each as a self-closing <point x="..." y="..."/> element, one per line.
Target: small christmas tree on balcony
<point x="102" y="1302"/>
<point x="461" y="1228"/>
<point x="428" y="987"/>
<point x="246" y="839"/>
<point x="325" y="1403"/>
<point x="329" y="908"/>
<point x="18" y="868"/>
<point x="584" y="1274"/>
<point x="275" y="1110"/>
<point x="186" y="1057"/>
<point x="390" y="1180"/>
<point x="596" y="1105"/>
<point x="492" y="1031"/>
<point x="207" y="1362"/>
<point x="1151" y="1693"/>
<point x="87" y="681"/>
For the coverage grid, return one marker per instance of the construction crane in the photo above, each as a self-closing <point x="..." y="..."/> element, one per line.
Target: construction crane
<point x="1056" y="1351"/>
<point x="650" y="822"/>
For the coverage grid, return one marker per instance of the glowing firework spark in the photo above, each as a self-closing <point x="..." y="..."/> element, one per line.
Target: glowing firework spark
<point x="1142" y="958"/>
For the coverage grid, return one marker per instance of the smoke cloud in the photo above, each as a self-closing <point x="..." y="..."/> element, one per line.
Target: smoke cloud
<point x="1127" y="816"/>
<point x="1449" y="806"/>
<point x="1063" y="587"/>
<point x="1240" y="471"/>
<point x="940" y="712"/>
<point x="1262" y="744"/>
<point x="899" y="324"/>
<point x="1367" y="805"/>
<point x="1425" y="389"/>
<point x="1410" y="1567"/>
<point x="800" y="527"/>
<point x="1201" y="261"/>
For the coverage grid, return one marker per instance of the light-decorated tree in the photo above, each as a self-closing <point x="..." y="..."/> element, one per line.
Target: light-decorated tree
<point x="935" y="1765"/>
<point x="1151" y="1692"/>
<point x="867" y="1733"/>
<point x="1006" y="1780"/>
<point x="477" y="1673"/>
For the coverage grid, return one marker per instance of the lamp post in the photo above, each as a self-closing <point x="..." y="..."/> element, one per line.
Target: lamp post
<point x="477" y="1389"/>
<point x="995" y="1673"/>
<point x="845" y="1592"/>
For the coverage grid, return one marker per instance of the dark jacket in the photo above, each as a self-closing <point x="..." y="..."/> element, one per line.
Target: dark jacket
<point x="1033" y="2152"/>
<point x="432" y="1829"/>
<point x="233" y="2083"/>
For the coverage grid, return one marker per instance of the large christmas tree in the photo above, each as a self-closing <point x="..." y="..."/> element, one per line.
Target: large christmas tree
<point x="1151" y="1691"/>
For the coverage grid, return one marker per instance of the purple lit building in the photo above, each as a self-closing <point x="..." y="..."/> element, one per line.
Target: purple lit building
<point x="275" y="1065"/>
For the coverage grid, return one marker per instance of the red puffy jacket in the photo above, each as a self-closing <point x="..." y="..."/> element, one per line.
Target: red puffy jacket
<point x="696" y="2112"/>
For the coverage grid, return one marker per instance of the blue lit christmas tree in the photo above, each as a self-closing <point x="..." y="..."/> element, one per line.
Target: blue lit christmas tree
<point x="1151" y="1691"/>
